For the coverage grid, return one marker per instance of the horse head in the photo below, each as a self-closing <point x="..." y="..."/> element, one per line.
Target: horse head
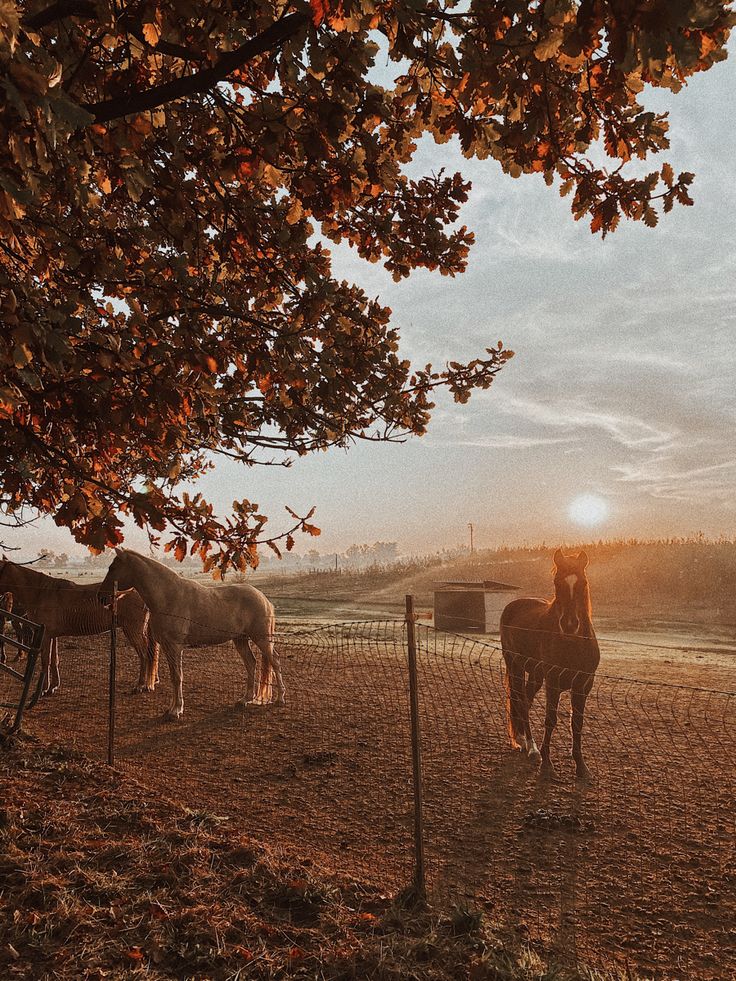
<point x="572" y="595"/>
<point x="118" y="574"/>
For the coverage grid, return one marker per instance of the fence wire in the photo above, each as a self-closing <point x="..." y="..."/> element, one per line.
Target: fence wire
<point x="636" y="868"/>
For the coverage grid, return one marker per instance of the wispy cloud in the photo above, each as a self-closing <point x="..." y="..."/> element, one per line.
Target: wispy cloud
<point x="628" y="430"/>
<point x="710" y="482"/>
<point x="507" y="441"/>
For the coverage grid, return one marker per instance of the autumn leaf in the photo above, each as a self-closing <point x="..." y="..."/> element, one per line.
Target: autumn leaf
<point x="547" y="47"/>
<point x="184" y="307"/>
<point x="320" y="11"/>
<point x="151" y="33"/>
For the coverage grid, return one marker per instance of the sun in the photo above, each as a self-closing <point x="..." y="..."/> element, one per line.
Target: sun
<point x="588" y="510"/>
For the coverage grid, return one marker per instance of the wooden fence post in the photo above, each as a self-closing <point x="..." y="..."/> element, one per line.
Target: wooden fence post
<point x="416" y="753"/>
<point x="113" y="676"/>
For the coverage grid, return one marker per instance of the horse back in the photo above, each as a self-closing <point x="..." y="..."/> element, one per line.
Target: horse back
<point x="521" y="624"/>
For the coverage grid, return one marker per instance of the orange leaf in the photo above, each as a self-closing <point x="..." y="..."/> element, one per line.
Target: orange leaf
<point x="152" y="34"/>
<point x="320" y="10"/>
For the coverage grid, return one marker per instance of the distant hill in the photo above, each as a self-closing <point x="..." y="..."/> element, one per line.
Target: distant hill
<point x="689" y="579"/>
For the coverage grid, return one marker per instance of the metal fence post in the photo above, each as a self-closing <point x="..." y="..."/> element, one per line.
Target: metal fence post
<point x="31" y="660"/>
<point x="113" y="675"/>
<point x="416" y="753"/>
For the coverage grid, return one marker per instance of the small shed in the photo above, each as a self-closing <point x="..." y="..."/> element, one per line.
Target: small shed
<point x="461" y="605"/>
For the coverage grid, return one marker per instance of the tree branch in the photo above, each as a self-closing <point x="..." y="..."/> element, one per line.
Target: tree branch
<point x="59" y="11"/>
<point x="201" y="81"/>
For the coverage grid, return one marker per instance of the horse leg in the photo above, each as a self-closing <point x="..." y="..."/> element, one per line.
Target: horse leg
<point x="7" y="607"/>
<point x="54" y="673"/>
<point x="147" y="650"/>
<point x="174" y="657"/>
<point x="534" y="683"/>
<point x="578" y="700"/>
<point x="516" y="701"/>
<point x="46" y="665"/>
<point x="270" y="669"/>
<point x="552" y="688"/>
<point x="242" y="646"/>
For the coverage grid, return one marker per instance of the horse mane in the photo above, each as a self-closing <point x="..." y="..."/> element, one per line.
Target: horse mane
<point x="147" y="559"/>
<point x="586" y="597"/>
<point x="33" y="573"/>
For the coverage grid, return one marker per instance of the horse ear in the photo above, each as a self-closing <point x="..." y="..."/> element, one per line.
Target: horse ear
<point x="118" y="550"/>
<point x="583" y="560"/>
<point x="558" y="558"/>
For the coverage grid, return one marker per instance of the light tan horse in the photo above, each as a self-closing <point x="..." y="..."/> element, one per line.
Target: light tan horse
<point x="68" y="609"/>
<point x="187" y="614"/>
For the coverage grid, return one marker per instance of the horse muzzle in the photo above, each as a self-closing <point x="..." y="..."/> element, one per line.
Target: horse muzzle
<point x="569" y="627"/>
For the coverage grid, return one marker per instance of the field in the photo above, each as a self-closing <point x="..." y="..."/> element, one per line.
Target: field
<point x="636" y="869"/>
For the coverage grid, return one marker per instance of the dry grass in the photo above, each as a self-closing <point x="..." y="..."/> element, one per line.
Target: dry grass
<point x="102" y="879"/>
<point x="630" y="579"/>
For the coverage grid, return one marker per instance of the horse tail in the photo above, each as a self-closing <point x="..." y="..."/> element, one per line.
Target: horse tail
<point x="265" y="645"/>
<point x="153" y="649"/>
<point x="267" y="676"/>
<point x="515" y="683"/>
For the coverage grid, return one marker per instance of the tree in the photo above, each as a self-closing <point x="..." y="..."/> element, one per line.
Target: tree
<point x="170" y="174"/>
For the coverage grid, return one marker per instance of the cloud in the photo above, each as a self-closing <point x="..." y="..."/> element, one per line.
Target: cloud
<point x="628" y="430"/>
<point x="507" y="441"/>
<point x="712" y="482"/>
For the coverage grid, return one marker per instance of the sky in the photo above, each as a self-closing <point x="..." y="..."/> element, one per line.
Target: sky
<point x="621" y="390"/>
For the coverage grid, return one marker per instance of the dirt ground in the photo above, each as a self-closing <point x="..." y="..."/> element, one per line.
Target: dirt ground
<point x="637" y="868"/>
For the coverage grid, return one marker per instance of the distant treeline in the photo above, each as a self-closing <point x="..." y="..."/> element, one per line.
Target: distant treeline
<point x="674" y="576"/>
<point x="687" y="578"/>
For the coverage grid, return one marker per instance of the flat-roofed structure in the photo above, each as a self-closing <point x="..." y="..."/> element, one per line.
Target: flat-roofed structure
<point x="462" y="605"/>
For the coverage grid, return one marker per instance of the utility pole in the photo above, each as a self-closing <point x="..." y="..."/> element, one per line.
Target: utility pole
<point x="470" y="525"/>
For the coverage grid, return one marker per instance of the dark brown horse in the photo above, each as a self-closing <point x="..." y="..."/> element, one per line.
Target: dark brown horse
<point x="551" y="643"/>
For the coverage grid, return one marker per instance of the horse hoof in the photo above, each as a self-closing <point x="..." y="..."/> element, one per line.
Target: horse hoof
<point x="584" y="775"/>
<point x="535" y="756"/>
<point x="548" y="772"/>
<point x="172" y="715"/>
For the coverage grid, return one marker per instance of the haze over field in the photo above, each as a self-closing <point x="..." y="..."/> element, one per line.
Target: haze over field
<point x="621" y="388"/>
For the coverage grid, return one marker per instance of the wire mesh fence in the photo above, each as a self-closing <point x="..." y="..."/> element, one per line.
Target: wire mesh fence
<point x="635" y="868"/>
<point x="20" y="640"/>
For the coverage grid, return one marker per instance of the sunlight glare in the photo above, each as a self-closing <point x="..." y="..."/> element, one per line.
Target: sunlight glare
<point x="588" y="510"/>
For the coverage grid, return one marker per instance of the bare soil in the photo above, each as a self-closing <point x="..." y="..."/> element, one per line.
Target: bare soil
<point x="102" y="880"/>
<point x="636" y="869"/>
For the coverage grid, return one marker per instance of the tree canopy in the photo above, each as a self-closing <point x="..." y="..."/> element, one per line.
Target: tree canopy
<point x="171" y="176"/>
